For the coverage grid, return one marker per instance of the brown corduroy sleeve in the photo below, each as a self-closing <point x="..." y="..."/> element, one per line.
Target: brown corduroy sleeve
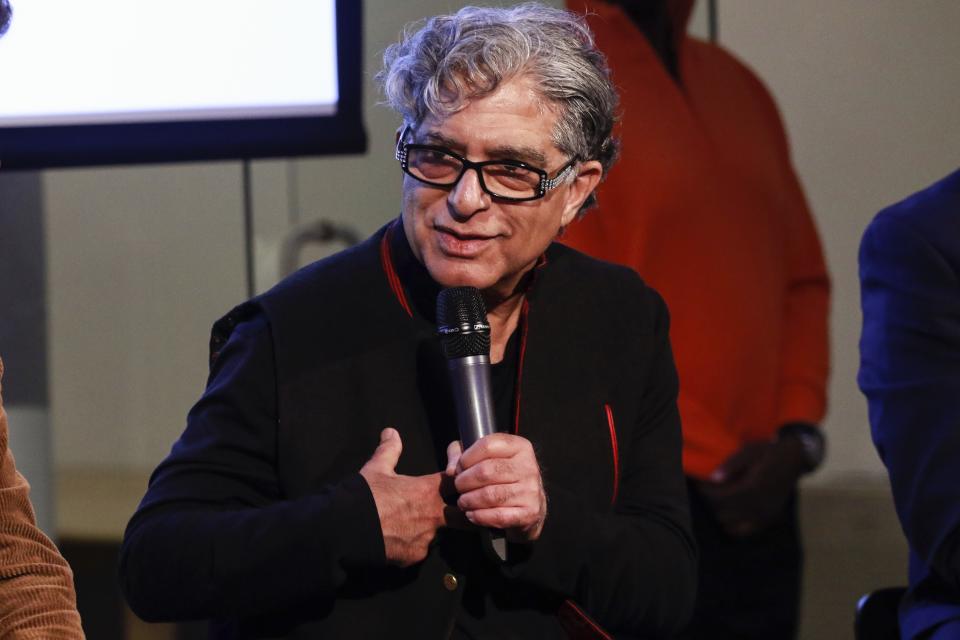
<point x="37" y="597"/>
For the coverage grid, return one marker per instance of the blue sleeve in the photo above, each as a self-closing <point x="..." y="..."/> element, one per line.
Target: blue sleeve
<point x="910" y="374"/>
<point x="215" y="535"/>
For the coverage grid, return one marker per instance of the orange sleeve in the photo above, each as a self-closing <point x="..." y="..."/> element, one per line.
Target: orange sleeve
<point x="805" y="360"/>
<point x="37" y="597"/>
<point x="805" y="349"/>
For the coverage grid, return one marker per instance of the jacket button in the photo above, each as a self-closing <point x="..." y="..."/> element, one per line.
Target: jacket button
<point x="450" y="581"/>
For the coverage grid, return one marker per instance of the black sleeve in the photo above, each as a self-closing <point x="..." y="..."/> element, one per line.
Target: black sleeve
<point x="214" y="536"/>
<point x="631" y="569"/>
<point x="910" y="373"/>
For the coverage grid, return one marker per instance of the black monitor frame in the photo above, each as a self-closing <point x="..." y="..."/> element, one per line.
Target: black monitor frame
<point x="42" y="147"/>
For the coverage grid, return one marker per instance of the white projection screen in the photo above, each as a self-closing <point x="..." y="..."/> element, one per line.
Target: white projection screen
<point x="89" y="82"/>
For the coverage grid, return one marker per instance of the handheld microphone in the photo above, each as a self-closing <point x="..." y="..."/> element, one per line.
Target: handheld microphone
<point x="465" y="339"/>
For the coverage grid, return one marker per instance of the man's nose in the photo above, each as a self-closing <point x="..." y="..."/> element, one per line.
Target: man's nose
<point x="467" y="197"/>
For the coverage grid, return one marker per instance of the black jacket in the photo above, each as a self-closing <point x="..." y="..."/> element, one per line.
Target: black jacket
<point x="259" y="518"/>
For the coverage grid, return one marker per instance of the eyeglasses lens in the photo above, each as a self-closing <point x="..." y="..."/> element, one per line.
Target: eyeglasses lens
<point x="505" y="180"/>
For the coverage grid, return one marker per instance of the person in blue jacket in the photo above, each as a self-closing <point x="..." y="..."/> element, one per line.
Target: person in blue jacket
<point x="910" y="374"/>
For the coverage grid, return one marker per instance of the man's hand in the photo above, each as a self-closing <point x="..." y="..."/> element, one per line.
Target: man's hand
<point x="500" y="485"/>
<point x="750" y="490"/>
<point x="411" y="508"/>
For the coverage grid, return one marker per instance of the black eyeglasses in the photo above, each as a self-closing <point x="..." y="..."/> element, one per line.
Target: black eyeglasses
<point x="504" y="179"/>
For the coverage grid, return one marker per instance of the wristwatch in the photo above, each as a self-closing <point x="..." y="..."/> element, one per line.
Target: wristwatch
<point x="811" y="440"/>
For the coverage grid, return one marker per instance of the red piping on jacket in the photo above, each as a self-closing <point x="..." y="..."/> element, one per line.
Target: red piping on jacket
<point x="387" y="260"/>
<point x="523" y="350"/>
<point x="583" y="616"/>
<point x="615" y="450"/>
<point x="524" y="312"/>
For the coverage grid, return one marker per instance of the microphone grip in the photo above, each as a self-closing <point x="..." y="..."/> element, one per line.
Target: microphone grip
<point x="470" y="384"/>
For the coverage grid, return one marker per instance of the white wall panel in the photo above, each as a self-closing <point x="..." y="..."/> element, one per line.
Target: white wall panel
<point x="870" y="91"/>
<point x="141" y="261"/>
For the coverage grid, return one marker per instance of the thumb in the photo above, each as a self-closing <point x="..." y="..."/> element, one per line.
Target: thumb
<point x="387" y="454"/>
<point x="454" y="450"/>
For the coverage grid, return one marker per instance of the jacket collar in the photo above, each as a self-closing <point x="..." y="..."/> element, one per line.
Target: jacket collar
<point x="415" y="290"/>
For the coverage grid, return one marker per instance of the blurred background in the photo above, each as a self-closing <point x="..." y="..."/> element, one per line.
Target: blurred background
<point x="112" y="276"/>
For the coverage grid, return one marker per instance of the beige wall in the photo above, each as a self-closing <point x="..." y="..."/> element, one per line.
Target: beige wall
<point x="870" y="91"/>
<point x="140" y="262"/>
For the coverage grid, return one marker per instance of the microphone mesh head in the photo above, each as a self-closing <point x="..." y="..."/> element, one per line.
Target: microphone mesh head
<point x="462" y="323"/>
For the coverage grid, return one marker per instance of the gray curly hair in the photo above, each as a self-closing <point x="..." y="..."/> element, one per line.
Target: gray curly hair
<point x="438" y="66"/>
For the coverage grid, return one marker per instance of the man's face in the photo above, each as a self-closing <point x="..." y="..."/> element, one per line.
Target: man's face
<point x="466" y="237"/>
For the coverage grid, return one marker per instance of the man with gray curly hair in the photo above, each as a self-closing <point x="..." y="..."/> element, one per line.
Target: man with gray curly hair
<point x="320" y="490"/>
<point x="556" y="55"/>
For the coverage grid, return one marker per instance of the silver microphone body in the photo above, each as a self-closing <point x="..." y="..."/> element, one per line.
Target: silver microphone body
<point x="470" y="385"/>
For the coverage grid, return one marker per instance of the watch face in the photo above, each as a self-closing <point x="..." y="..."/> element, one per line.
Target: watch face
<point x="811" y="440"/>
<point x="812" y="449"/>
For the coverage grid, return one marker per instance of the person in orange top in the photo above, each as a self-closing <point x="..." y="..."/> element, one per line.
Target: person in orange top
<point x="706" y="206"/>
<point x="37" y="597"/>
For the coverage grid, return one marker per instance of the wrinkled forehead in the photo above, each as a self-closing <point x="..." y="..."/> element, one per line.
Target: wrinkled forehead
<point x="457" y="125"/>
<point x="530" y="154"/>
<point x="460" y="91"/>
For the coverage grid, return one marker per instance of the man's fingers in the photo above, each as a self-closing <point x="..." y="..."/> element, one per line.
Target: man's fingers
<point x="513" y="494"/>
<point x="500" y="518"/>
<point x="487" y="472"/>
<point x="495" y="495"/>
<point x="740" y="462"/>
<point x="719" y="492"/>
<point x="454" y="451"/>
<point x="519" y="524"/>
<point x="495" y="445"/>
<point x="387" y="454"/>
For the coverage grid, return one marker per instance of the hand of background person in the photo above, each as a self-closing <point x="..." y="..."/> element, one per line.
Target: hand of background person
<point x="749" y="491"/>
<point x="500" y="485"/>
<point x="411" y="508"/>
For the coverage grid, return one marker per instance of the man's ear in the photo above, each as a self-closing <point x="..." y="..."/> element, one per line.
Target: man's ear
<point x="588" y="177"/>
